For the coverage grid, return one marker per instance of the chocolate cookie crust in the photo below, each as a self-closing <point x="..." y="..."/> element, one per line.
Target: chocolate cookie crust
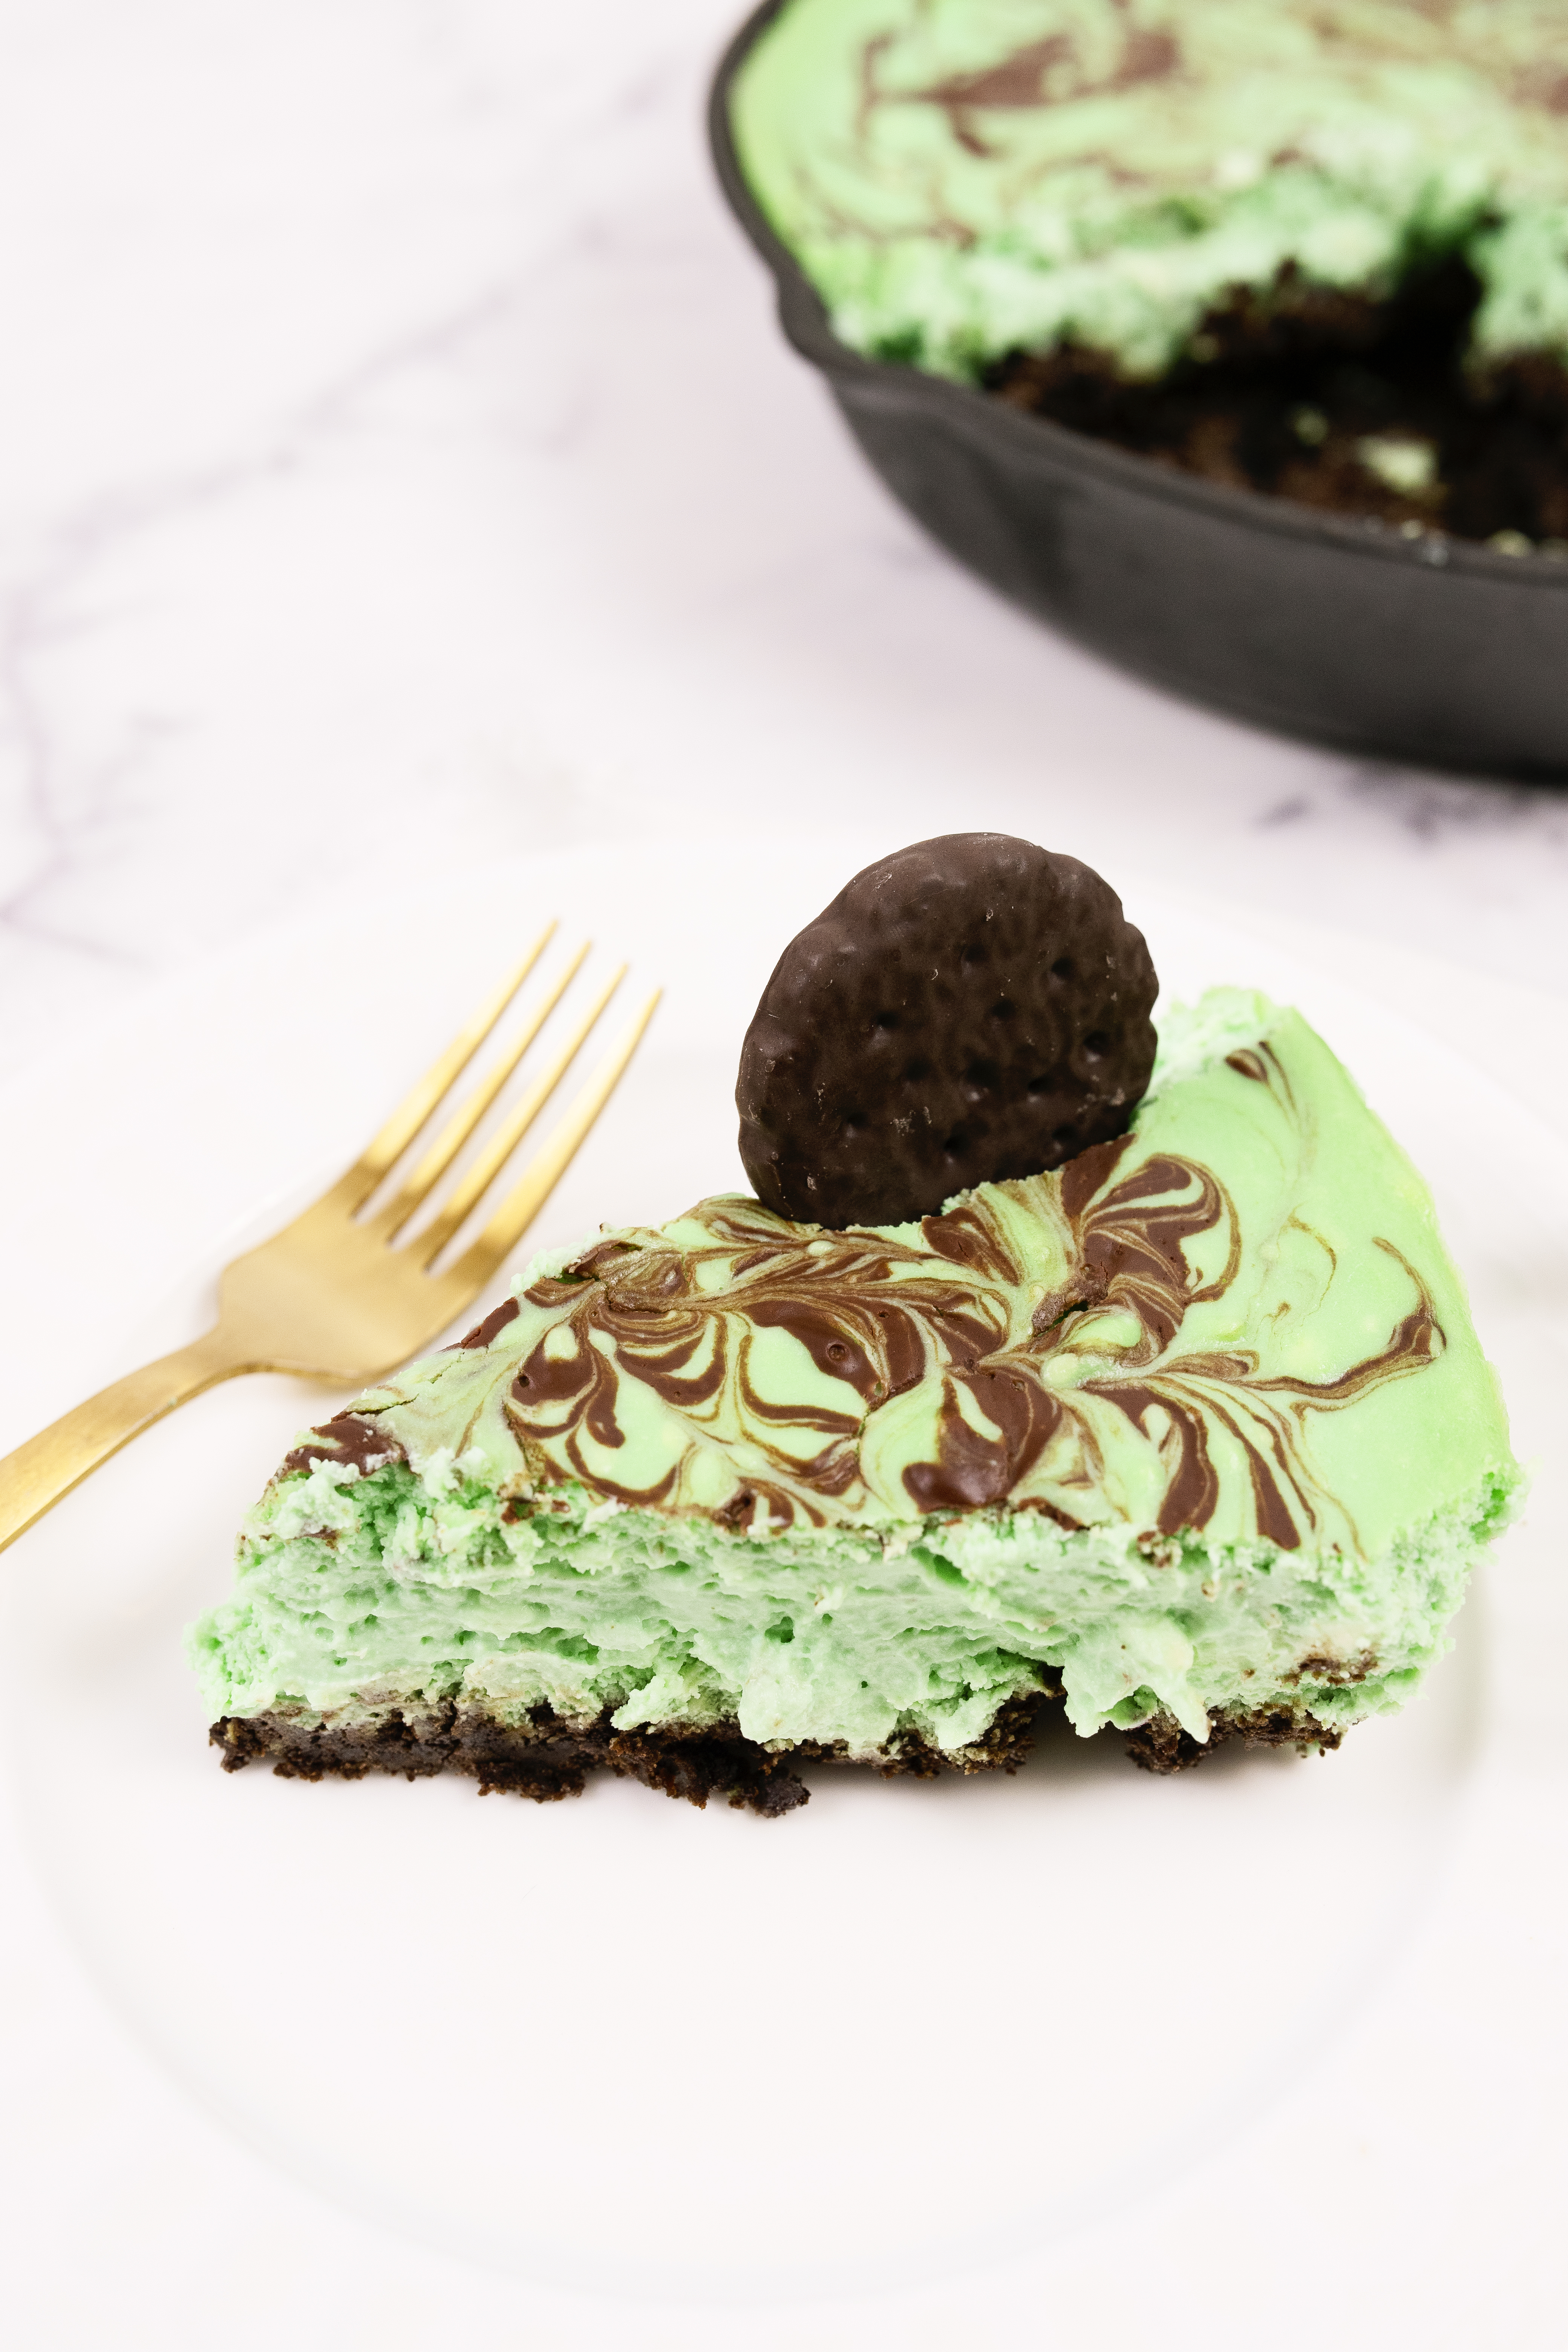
<point x="546" y="1758"/>
<point x="969" y="1009"/>
<point x="1300" y="390"/>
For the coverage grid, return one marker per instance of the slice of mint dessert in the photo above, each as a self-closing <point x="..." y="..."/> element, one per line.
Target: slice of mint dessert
<point x="1193" y="1430"/>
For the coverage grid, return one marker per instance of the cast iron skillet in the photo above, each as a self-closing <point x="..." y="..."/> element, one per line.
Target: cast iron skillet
<point x="1434" y="650"/>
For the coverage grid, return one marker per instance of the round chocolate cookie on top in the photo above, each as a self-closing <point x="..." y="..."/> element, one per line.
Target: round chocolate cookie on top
<point x="970" y="1008"/>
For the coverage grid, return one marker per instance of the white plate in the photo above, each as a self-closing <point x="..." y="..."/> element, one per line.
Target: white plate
<point x="608" y="2043"/>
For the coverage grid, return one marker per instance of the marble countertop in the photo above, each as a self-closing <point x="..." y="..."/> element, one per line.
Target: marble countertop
<point x="398" y="458"/>
<point x="399" y="462"/>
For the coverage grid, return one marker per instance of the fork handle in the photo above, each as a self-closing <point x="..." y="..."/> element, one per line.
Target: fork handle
<point x="33" y="1479"/>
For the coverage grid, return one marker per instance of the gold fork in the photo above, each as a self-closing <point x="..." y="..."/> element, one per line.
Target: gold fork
<point x="333" y="1298"/>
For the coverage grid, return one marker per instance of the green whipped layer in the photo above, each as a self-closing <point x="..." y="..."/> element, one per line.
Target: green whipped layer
<point x="966" y="178"/>
<point x="1197" y="1422"/>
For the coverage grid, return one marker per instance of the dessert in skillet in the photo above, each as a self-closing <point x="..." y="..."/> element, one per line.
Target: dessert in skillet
<point x="1313" y="247"/>
<point x="1043" y="1361"/>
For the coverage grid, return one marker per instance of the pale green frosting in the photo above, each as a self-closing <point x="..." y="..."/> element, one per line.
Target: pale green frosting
<point x="961" y="178"/>
<point x="1200" y="1421"/>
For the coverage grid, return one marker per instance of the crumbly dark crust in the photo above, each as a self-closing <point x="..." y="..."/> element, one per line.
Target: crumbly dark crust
<point x="1292" y="381"/>
<point x="1161" y="1746"/>
<point x="545" y="1757"/>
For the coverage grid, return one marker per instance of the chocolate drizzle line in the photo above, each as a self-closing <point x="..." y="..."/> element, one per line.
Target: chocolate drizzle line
<point x="880" y="1318"/>
<point x="347" y="1438"/>
<point x="1048" y="72"/>
<point x="493" y="1325"/>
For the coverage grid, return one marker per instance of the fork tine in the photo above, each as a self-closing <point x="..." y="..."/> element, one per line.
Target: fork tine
<point x="358" y="1182"/>
<point x="457" y="1129"/>
<point x="477" y="1180"/>
<point x="544" y="1171"/>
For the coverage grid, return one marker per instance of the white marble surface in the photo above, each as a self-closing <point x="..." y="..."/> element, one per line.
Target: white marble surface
<point x="397" y="457"/>
<point x="399" y="461"/>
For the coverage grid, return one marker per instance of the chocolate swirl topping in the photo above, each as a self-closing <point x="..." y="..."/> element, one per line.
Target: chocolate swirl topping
<point x="990" y="1361"/>
<point x="348" y="1437"/>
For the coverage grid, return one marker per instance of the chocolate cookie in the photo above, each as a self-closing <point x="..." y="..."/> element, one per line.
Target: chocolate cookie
<point x="970" y="1008"/>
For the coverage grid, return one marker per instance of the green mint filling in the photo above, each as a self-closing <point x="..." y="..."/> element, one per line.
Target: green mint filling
<point x="962" y="180"/>
<point x="833" y="1637"/>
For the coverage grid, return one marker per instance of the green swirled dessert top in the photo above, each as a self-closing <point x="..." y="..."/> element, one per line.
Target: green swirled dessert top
<point x="964" y="178"/>
<point x="1238" y="1318"/>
